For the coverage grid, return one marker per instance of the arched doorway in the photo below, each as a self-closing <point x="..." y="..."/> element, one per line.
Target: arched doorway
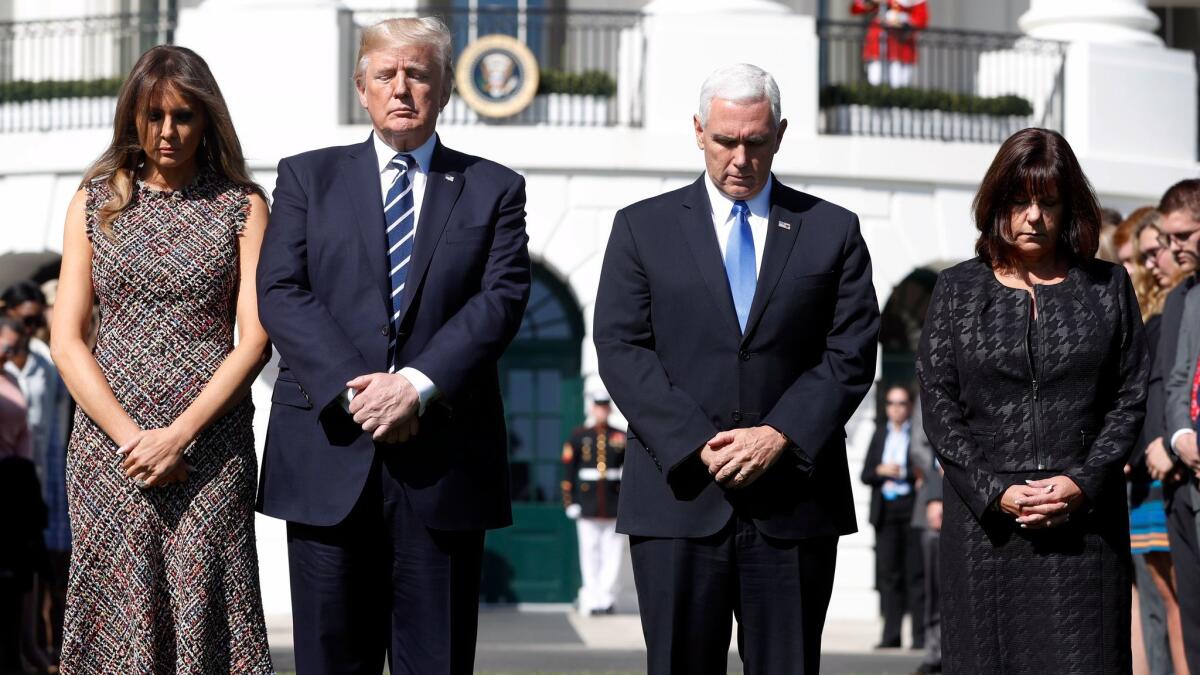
<point x="900" y="326"/>
<point x="536" y="559"/>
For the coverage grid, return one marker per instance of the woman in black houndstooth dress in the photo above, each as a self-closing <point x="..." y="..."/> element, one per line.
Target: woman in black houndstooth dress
<point x="1033" y="376"/>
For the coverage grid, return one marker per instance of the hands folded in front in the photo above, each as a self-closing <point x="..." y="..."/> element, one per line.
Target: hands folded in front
<point x="1042" y="503"/>
<point x="736" y="458"/>
<point x="385" y="406"/>
<point x="154" y="457"/>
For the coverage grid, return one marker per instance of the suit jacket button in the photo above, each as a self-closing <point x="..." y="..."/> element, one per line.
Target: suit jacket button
<point x="744" y="355"/>
<point x="383" y="330"/>
<point x="737" y="415"/>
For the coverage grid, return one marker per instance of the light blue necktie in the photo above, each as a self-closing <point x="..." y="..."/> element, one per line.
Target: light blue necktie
<point x="739" y="262"/>
<point x="400" y="215"/>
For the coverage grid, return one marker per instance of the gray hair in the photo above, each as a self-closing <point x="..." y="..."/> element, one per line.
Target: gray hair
<point x="426" y="30"/>
<point x="739" y="83"/>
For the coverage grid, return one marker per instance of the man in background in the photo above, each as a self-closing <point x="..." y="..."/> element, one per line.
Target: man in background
<point x="592" y="460"/>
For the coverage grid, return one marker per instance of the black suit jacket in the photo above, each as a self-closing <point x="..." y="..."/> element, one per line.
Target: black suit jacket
<point x="1168" y="338"/>
<point x="675" y="361"/>
<point x="324" y="299"/>
<point x="872" y="478"/>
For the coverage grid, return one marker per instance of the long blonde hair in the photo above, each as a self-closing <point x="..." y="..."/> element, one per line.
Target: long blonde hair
<point x="160" y="69"/>
<point x="1150" y="294"/>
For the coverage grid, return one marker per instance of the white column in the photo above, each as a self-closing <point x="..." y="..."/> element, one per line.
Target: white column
<point x="688" y="39"/>
<point x="1114" y="58"/>
<point x="1125" y="22"/>
<point x="278" y="63"/>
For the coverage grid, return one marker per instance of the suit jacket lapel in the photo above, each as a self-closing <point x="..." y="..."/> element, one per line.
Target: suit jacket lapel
<point x="776" y="251"/>
<point x="696" y="224"/>
<point x="442" y="187"/>
<point x="360" y="176"/>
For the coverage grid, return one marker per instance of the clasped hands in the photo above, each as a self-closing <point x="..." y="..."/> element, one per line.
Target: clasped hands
<point x="385" y="405"/>
<point x="736" y="458"/>
<point x="1042" y="504"/>
<point x="154" y="457"/>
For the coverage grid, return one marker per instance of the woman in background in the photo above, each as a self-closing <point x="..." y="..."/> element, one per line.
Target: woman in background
<point x="1149" y="464"/>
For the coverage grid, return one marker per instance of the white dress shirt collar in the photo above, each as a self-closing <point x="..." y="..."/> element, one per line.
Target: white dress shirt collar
<point x="722" y="204"/>
<point x="722" y="217"/>
<point x="423" y="153"/>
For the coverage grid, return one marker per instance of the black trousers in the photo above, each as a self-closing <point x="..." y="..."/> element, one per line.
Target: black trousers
<point x="900" y="571"/>
<point x="689" y="590"/>
<point x="1185" y="556"/>
<point x="930" y="549"/>
<point x="380" y="582"/>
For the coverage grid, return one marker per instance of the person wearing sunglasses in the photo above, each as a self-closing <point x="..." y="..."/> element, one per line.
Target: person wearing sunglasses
<point x="892" y="474"/>
<point x="25" y="302"/>
<point x="21" y="550"/>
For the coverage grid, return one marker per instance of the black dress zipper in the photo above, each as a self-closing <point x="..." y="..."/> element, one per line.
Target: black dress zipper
<point x="1030" y="336"/>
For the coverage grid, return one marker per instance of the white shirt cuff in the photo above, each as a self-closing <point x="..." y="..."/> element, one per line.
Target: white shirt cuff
<point x="426" y="389"/>
<point x="1179" y="434"/>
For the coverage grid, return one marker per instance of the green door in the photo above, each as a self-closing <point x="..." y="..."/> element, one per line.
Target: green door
<point x="536" y="559"/>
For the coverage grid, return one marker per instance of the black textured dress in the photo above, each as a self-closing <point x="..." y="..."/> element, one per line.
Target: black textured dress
<point x="1007" y="398"/>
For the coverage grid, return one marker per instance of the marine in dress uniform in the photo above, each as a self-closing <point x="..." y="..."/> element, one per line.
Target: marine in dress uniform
<point x="593" y="457"/>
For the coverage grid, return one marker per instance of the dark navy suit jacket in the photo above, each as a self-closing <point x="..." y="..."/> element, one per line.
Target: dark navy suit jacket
<point x="323" y="295"/>
<point x="675" y="361"/>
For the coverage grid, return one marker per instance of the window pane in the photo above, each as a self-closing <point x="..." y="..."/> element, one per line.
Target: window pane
<point x="549" y="438"/>
<point x="520" y="391"/>
<point x="521" y="441"/>
<point x="549" y="385"/>
<point x="546" y="478"/>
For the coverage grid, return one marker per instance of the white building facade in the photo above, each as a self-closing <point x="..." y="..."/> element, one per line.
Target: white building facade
<point x="1125" y="101"/>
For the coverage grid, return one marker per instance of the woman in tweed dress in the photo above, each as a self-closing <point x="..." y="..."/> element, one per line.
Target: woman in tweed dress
<point x="164" y="234"/>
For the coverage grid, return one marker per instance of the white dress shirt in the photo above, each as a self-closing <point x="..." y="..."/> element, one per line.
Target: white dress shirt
<point x="895" y="451"/>
<point x="418" y="175"/>
<point x="722" y="217"/>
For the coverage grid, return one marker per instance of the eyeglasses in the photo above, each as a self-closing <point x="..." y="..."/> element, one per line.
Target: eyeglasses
<point x="1178" y="238"/>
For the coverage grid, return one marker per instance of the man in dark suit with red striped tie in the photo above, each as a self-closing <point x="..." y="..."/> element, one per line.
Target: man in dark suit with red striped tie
<point x="394" y="273"/>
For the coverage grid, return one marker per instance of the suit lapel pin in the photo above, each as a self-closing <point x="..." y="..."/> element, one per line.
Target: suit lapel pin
<point x="786" y="226"/>
<point x="450" y="178"/>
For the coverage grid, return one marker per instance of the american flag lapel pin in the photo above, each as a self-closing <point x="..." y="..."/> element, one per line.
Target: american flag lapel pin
<point x="785" y="225"/>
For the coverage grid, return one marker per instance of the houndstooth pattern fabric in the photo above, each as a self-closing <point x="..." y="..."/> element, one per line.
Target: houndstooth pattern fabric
<point x="1034" y="601"/>
<point x="165" y="580"/>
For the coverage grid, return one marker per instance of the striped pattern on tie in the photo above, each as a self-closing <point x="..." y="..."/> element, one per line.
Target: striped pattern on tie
<point x="399" y="209"/>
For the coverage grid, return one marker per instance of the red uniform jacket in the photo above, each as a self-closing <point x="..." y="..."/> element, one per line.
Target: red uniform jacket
<point x="901" y="42"/>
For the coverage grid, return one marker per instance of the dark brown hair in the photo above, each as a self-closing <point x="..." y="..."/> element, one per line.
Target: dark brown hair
<point x="161" y="69"/>
<point x="1183" y="195"/>
<point x="1028" y="164"/>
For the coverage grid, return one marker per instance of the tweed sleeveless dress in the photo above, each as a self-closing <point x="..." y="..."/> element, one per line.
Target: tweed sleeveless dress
<point x="165" y="580"/>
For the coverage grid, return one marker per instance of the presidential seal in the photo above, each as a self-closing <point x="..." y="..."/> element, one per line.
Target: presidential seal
<point x="497" y="76"/>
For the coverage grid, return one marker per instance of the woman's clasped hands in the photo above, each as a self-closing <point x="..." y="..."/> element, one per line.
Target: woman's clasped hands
<point x="154" y="457"/>
<point x="1042" y="504"/>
